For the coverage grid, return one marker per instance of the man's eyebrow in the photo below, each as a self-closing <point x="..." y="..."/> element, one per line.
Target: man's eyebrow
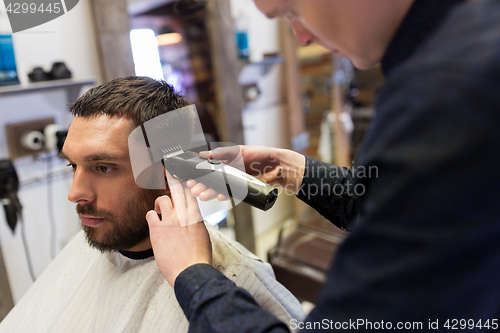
<point x="104" y="156"/>
<point x="98" y="157"/>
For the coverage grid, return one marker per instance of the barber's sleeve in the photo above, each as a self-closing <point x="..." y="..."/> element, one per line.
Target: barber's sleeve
<point x="329" y="189"/>
<point x="213" y="303"/>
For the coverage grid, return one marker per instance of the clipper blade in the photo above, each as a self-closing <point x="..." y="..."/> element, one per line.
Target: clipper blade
<point x="171" y="151"/>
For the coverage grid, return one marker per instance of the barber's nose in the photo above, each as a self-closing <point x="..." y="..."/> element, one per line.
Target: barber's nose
<point x="303" y="36"/>
<point x="81" y="190"/>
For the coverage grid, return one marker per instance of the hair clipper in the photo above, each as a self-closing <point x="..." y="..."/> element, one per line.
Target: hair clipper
<point x="220" y="177"/>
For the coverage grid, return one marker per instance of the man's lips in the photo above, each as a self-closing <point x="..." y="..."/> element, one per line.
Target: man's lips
<point x="91" y="221"/>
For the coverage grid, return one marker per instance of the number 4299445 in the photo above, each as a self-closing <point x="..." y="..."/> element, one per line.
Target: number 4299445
<point x="461" y="324"/>
<point x="23" y="8"/>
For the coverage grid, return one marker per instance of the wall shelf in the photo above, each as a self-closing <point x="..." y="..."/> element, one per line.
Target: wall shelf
<point x="267" y="61"/>
<point x="252" y="72"/>
<point x="72" y="87"/>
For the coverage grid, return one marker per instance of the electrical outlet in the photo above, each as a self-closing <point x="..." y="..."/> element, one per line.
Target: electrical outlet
<point x="16" y="131"/>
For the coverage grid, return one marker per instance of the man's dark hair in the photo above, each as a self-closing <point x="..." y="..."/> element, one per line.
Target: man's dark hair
<point x="137" y="98"/>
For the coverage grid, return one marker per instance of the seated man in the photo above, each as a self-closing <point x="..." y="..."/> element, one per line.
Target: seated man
<point x="106" y="278"/>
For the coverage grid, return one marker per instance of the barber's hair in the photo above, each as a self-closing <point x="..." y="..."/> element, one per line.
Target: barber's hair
<point x="137" y="98"/>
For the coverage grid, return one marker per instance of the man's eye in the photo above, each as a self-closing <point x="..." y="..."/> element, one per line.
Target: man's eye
<point x="73" y="166"/>
<point x="104" y="169"/>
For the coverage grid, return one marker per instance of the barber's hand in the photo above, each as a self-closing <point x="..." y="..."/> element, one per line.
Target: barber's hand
<point x="275" y="166"/>
<point x="180" y="239"/>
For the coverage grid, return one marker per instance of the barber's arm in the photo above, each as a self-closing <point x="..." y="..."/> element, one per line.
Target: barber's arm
<point x="183" y="252"/>
<point x="279" y="167"/>
<point x="213" y="303"/>
<point x="327" y="188"/>
<point x="331" y="191"/>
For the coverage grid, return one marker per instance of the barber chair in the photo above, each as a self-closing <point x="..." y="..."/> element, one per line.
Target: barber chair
<point x="301" y="259"/>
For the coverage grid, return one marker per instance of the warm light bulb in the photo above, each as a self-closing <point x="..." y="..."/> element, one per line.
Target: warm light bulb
<point x="169" y="39"/>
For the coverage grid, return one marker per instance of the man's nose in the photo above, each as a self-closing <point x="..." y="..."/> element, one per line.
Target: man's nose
<point x="303" y="36"/>
<point x="81" y="190"/>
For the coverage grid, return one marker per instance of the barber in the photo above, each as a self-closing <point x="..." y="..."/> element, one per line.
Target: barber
<point x="424" y="250"/>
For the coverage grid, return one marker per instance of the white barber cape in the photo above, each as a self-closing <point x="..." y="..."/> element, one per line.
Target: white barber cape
<point x="83" y="290"/>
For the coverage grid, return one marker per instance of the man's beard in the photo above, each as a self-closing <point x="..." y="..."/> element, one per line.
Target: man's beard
<point x="127" y="230"/>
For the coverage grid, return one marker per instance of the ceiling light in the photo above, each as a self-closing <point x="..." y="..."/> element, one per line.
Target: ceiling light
<point x="169" y="38"/>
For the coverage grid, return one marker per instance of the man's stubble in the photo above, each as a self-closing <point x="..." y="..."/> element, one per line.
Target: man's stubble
<point x="127" y="230"/>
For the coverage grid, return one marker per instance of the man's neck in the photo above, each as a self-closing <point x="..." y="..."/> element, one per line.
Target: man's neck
<point x="142" y="246"/>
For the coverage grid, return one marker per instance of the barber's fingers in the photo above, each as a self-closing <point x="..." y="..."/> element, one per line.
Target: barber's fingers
<point x="163" y="206"/>
<point x="204" y="192"/>
<point x="171" y="216"/>
<point x="185" y="205"/>
<point x="222" y="153"/>
<point x="178" y="195"/>
<point x="222" y="197"/>
<point x="192" y="207"/>
<point x="176" y="190"/>
<point x="176" y="203"/>
<point x="153" y="218"/>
